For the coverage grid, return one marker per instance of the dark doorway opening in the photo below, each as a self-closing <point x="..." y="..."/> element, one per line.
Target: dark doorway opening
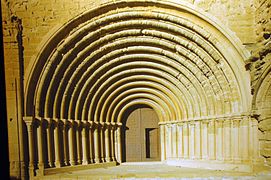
<point x="148" y="140"/>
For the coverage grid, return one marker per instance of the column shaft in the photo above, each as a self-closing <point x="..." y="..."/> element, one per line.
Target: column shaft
<point x="197" y="140"/>
<point x="211" y="140"/>
<point x="119" y="144"/>
<point x="96" y="145"/>
<point x="90" y="134"/>
<point x="180" y="140"/>
<point x="185" y="141"/>
<point x="107" y="145"/>
<point x="219" y="140"/>
<point x="65" y="144"/>
<point x="102" y="139"/>
<point x="84" y="143"/>
<point x="162" y="137"/>
<point x="174" y="141"/>
<point x="49" y="144"/>
<point x="40" y="147"/>
<point x="79" y="143"/>
<point x="57" y="146"/>
<point x="227" y="140"/>
<point x="192" y="141"/>
<point x="113" y="144"/>
<point x="205" y="140"/>
<point x="31" y="148"/>
<point x="235" y="144"/>
<point x="71" y="144"/>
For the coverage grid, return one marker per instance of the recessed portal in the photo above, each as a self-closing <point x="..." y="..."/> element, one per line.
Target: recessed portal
<point x="141" y="141"/>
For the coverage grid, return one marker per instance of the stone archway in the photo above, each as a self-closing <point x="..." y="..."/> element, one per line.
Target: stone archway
<point x="169" y="56"/>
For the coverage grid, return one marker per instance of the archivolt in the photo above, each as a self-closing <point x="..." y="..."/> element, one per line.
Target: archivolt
<point x="130" y="52"/>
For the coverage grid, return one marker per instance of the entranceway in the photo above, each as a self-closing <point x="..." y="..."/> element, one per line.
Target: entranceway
<point x="141" y="136"/>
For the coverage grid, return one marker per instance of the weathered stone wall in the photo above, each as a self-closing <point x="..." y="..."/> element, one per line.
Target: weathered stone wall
<point x="259" y="65"/>
<point x="40" y="19"/>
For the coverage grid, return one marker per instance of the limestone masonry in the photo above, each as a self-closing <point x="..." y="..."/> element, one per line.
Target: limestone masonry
<point x="97" y="83"/>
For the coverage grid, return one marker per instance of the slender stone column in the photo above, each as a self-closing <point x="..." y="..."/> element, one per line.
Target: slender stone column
<point x="79" y="142"/>
<point x="107" y="143"/>
<point x="255" y="141"/>
<point x="97" y="143"/>
<point x="192" y="140"/>
<point x="174" y="141"/>
<point x="197" y="140"/>
<point x="30" y="126"/>
<point x="102" y="141"/>
<point x="113" y="128"/>
<point x="49" y="143"/>
<point x="219" y="140"/>
<point x="91" y="147"/>
<point x="71" y="144"/>
<point x="211" y="140"/>
<point x="244" y="138"/>
<point x="205" y="140"/>
<point x="180" y="140"/>
<point x="65" y="142"/>
<point x="236" y="144"/>
<point x="84" y="143"/>
<point x="162" y="137"/>
<point x="227" y="139"/>
<point x="40" y="147"/>
<point x="169" y="141"/>
<point x="119" y="142"/>
<point x="185" y="140"/>
<point x="57" y="144"/>
<point x="116" y="143"/>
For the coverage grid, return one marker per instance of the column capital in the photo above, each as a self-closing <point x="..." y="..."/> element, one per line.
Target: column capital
<point x="48" y="120"/>
<point x="78" y="122"/>
<point x="96" y="124"/>
<point x="119" y="124"/>
<point x="28" y="120"/>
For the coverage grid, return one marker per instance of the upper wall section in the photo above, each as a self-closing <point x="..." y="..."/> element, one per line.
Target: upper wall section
<point x="42" y="18"/>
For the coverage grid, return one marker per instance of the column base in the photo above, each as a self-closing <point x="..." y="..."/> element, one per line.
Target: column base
<point x="108" y="159"/>
<point x="98" y="160"/>
<point x="79" y="162"/>
<point x="85" y="162"/>
<point x="72" y="163"/>
<point x="31" y="171"/>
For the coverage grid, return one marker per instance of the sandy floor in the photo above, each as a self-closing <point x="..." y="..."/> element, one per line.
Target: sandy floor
<point x="156" y="170"/>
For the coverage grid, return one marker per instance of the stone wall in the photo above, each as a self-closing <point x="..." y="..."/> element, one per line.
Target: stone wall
<point x="34" y="22"/>
<point x="259" y="66"/>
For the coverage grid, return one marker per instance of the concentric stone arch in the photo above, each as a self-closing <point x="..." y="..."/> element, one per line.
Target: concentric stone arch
<point x="170" y="56"/>
<point x="121" y="29"/>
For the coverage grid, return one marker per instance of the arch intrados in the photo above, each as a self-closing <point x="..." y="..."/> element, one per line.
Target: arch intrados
<point x="165" y="76"/>
<point x="163" y="109"/>
<point x="166" y="100"/>
<point x="162" y="116"/>
<point x="104" y="85"/>
<point x="106" y="100"/>
<point x="131" y="77"/>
